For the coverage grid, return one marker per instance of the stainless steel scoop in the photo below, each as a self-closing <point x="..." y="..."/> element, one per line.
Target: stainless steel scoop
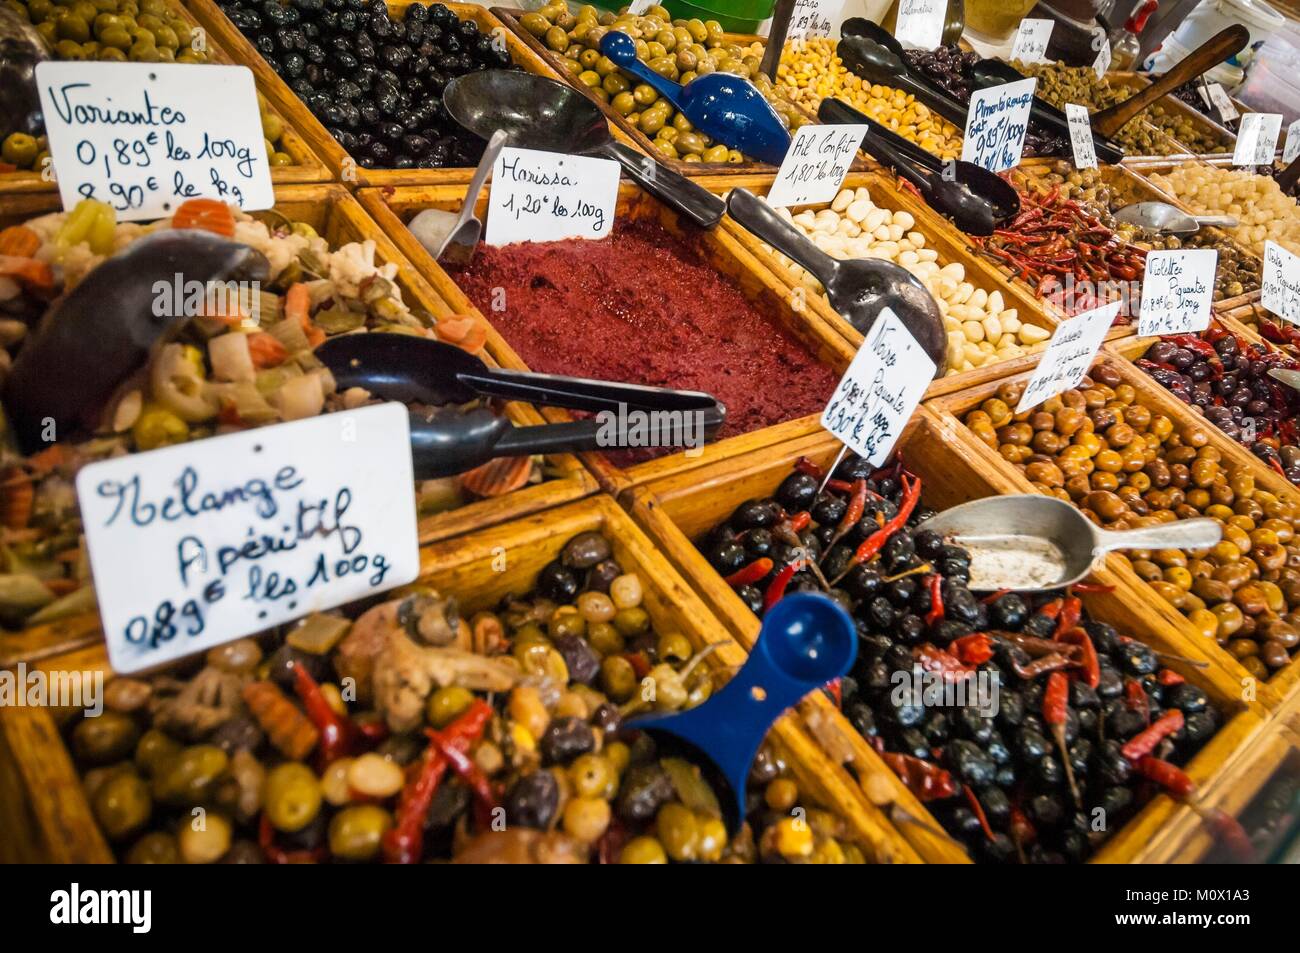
<point x="1033" y="543"/>
<point x="1165" y="218"/>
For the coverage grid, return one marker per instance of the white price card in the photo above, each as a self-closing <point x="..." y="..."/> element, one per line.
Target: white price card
<point x="639" y="7"/>
<point x="144" y="137"/>
<point x="204" y="542"/>
<point x="815" y="165"/>
<point x="1177" y="288"/>
<point x="546" y="196"/>
<point x="1257" y="139"/>
<point x="1102" y="62"/>
<point x="1280" y="288"/>
<point x="1215" y="98"/>
<point x="920" y="23"/>
<point x="1292" y="148"/>
<point x="996" y="123"/>
<point x="1069" y="354"/>
<point x="814" y="18"/>
<point x="1032" y="39"/>
<point x="1085" y="151"/>
<point x="880" y="391"/>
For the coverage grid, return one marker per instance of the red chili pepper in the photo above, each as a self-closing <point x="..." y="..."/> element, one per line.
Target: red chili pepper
<point x="338" y="735"/>
<point x="993" y="597"/>
<point x="1170" y="777"/>
<point x="1135" y="696"/>
<point x="1145" y="741"/>
<point x="278" y="855"/>
<point x="835" y="690"/>
<point x="747" y="575"/>
<point x="1068" y="617"/>
<point x="1021" y="828"/>
<point x="1052" y="662"/>
<point x="1056" y="701"/>
<point x="935" y="584"/>
<point x="780" y="582"/>
<point x="978" y="810"/>
<point x="485" y="799"/>
<point x="1229" y="832"/>
<point x="852" y="512"/>
<point x="936" y="661"/>
<point x="404" y="841"/>
<point x="974" y="649"/>
<point x="799" y="521"/>
<point x="872" y="544"/>
<point x="611" y="843"/>
<point x="640" y="663"/>
<point x="927" y="781"/>
<point x="806" y="466"/>
<point x="1168" y="677"/>
<point x="1089" y="664"/>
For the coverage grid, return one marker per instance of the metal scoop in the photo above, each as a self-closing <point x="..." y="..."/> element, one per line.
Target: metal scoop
<point x="539" y="113"/>
<point x="806" y="641"/>
<point x="858" y="288"/>
<point x="723" y="106"/>
<point x="1034" y="543"/>
<point x="976" y="199"/>
<point x="454" y="241"/>
<point x="1166" y="219"/>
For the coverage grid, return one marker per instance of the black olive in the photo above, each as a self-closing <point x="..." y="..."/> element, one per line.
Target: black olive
<point x="863" y="581"/>
<point x="1082" y="695"/>
<point x="969" y="764"/>
<point x="1046" y="810"/>
<point x="881" y="613"/>
<point x="532" y="800"/>
<point x="566" y="738"/>
<point x="928" y="543"/>
<point x="754" y="513"/>
<point x="946" y="631"/>
<point x="836" y="561"/>
<point x="728" y="557"/>
<point x="829" y="509"/>
<point x="554" y="581"/>
<point x="912" y="741"/>
<point x="1011" y="708"/>
<point x="901" y="591"/>
<point x="582" y="661"/>
<point x="910" y="629"/>
<point x="1000" y="850"/>
<point x="1048" y="771"/>
<point x="797" y="492"/>
<point x="1110" y="685"/>
<point x="1109" y="763"/>
<point x="996" y="804"/>
<point x="1188" y="698"/>
<point x="1008" y="612"/>
<point x="974" y="726"/>
<point x="1199" y="726"/>
<point x="905" y="709"/>
<point x="862" y="719"/>
<point x="1031" y="745"/>
<point x="937" y="728"/>
<point x="876" y="677"/>
<point x="1138" y="659"/>
<point x="899" y="658"/>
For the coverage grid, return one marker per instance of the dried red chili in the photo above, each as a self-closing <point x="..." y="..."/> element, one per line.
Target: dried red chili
<point x="338" y="736"/>
<point x="780" y="582"/>
<point x="748" y="575"/>
<point x="974" y="649"/>
<point x="1172" y="778"/>
<point x="1145" y="741"/>
<point x="1056" y="702"/>
<point x="872" y="544"/>
<point x="927" y="781"/>
<point x="1089" y="664"/>
<point x="935" y="584"/>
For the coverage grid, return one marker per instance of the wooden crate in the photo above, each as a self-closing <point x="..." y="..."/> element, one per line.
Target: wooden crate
<point x="342" y="167"/>
<point x="953" y="407"/>
<point x="391" y="208"/>
<point x="1200" y="122"/>
<point x="306" y="168"/>
<point x="678" y="509"/>
<point x="941" y="235"/>
<point x="337" y="217"/>
<point x="41" y="800"/>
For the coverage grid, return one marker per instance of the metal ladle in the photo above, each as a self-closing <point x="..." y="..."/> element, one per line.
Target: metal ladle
<point x="858" y="288"/>
<point x="1044" y="533"/>
<point x="1169" y="220"/>
<point x="453" y="238"/>
<point x="540" y="113"/>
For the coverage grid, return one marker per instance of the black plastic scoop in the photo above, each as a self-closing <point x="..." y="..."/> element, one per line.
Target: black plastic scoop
<point x="988" y="73"/>
<point x="540" y="113"/>
<point x="858" y="288"/>
<point x="879" y="64"/>
<point x="861" y="26"/>
<point x="976" y="199"/>
<point x="420" y="370"/>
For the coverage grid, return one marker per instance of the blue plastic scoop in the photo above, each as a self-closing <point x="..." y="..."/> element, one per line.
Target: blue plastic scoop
<point x="806" y="641"/>
<point x="725" y="107"/>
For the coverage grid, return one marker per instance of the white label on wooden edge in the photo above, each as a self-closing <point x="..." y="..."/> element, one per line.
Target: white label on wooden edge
<point x="1102" y="62"/>
<point x="1069" y="355"/>
<point x="920" y="23"/>
<point x="813" y="18"/>
<point x="1032" y="39"/>
<point x="204" y="542"/>
<point x="1292" y="148"/>
<point x="1177" y="288"/>
<point x="1280" y="287"/>
<point x="144" y="137"/>
<point x="1257" y="136"/>
<point x="880" y="391"/>
<point x="547" y="196"/>
<point x="996" y="124"/>
<point x="815" y="164"/>
<point x="1215" y="98"/>
<point x="1085" y="151"/>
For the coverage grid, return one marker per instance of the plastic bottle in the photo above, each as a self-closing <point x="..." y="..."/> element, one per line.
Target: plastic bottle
<point x="1124" y="43"/>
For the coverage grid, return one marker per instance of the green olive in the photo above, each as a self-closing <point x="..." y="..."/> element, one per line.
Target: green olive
<point x="73" y="27"/>
<point x="109" y="737"/>
<point x="447" y="703"/>
<point x="557" y="39"/>
<point x="635" y="621"/>
<point x="19" y="149"/>
<point x="156" y="847"/>
<point x="292" y="796"/>
<point x="355" y="832"/>
<point x="535" y="23"/>
<point x="155" y="749"/>
<point x="187" y="778"/>
<point x="122" y="805"/>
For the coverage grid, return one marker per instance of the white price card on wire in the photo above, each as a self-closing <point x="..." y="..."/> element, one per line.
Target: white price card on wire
<point x="204" y="542"/>
<point x="1214" y="97"/>
<point x="1085" y="151"/>
<point x="880" y="391"/>
<point x="920" y="23"/>
<point x="1177" y="288"/>
<point x="812" y="19"/>
<point x="996" y="123"/>
<point x="1291" y="151"/>
<point x="1032" y="39"/>
<point x="144" y="137"/>
<point x="1102" y="62"/>
<point x="1280" y="286"/>
<point x="1069" y="354"/>
<point x="816" y="163"/>
<point x="547" y="196"/>
<point x="1257" y="136"/>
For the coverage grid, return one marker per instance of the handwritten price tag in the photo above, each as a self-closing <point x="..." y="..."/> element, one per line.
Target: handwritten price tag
<point x="996" y="124"/>
<point x="814" y="18"/>
<point x="1280" y="290"/>
<point x="1102" y="62"/>
<point x="1292" y="148"/>
<point x="546" y="196"/>
<point x="879" y="392"/>
<point x="144" y="137"/>
<point x="1069" y="355"/>
<point x="1177" y="287"/>
<point x="1257" y="139"/>
<point x="920" y="23"/>
<point x="815" y="165"/>
<point x="1215" y="98"/>
<point x="201" y="543"/>
<point x="1032" y="38"/>
<point x="1085" y="151"/>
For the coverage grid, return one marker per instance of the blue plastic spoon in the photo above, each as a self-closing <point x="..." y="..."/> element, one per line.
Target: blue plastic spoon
<point x="725" y="107"/>
<point x="806" y="641"/>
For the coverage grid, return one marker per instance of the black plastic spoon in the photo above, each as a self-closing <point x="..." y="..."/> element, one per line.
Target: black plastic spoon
<point x="879" y="64"/>
<point x="858" y="288"/>
<point x="976" y="199"/>
<point x="540" y="113"/>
